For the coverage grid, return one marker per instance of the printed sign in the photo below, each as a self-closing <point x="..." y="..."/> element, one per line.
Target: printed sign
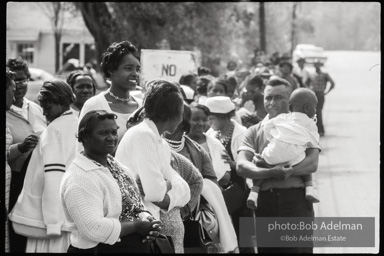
<point x="166" y="64"/>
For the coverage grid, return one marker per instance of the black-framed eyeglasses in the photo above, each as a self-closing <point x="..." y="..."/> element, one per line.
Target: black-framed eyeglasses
<point x="22" y="82"/>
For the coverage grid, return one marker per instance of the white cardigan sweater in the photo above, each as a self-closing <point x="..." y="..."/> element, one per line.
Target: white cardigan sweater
<point x="92" y="203"/>
<point x="148" y="156"/>
<point x="39" y="204"/>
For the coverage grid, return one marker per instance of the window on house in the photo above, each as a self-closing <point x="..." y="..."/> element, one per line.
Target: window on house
<point x="90" y="53"/>
<point x="26" y="51"/>
<point x="71" y="51"/>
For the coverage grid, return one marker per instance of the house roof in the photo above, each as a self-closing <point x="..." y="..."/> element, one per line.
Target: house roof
<point x="23" y="35"/>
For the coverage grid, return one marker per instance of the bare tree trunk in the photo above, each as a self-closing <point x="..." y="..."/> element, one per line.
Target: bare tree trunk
<point x="262" y="27"/>
<point x="100" y="24"/>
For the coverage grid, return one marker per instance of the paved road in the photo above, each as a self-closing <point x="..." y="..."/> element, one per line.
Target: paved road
<point x="348" y="178"/>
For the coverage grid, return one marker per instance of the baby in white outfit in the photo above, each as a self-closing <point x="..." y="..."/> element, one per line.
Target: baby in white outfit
<point x="289" y="135"/>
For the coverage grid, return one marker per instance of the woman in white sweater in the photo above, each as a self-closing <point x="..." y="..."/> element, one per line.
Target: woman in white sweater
<point x="38" y="208"/>
<point x="230" y="133"/>
<point x="148" y="156"/>
<point x="100" y="197"/>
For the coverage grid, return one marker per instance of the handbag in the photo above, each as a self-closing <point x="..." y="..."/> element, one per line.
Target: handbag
<point x="200" y="228"/>
<point x="132" y="243"/>
<point x="162" y="244"/>
<point x="234" y="197"/>
<point x="29" y="231"/>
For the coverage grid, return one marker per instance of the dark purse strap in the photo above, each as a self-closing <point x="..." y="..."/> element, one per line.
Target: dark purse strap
<point x="162" y="244"/>
<point x="193" y="214"/>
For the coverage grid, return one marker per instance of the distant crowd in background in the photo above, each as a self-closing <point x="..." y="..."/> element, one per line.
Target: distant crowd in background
<point x="112" y="169"/>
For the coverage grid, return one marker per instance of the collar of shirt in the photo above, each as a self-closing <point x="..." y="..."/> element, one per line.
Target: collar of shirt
<point x="85" y="163"/>
<point x="265" y="120"/>
<point x="67" y="112"/>
<point x="299" y="115"/>
<point x="153" y="127"/>
<point x="23" y="111"/>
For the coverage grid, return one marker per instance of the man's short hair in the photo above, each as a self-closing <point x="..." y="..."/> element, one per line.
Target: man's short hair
<point x="276" y="81"/>
<point x="256" y="80"/>
<point x="285" y="63"/>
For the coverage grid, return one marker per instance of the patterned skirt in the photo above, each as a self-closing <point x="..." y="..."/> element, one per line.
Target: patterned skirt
<point x="173" y="226"/>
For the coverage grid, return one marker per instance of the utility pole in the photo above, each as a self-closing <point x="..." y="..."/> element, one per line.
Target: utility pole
<point x="262" y="27"/>
<point x="293" y="31"/>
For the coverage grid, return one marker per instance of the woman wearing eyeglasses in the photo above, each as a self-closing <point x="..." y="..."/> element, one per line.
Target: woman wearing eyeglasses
<point x="38" y="210"/>
<point x="25" y="120"/>
<point x="101" y="199"/>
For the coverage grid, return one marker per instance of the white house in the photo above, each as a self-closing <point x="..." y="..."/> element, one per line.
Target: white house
<point x="30" y="35"/>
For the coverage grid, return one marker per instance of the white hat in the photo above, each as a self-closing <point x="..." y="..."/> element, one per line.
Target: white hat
<point x="219" y="104"/>
<point x="189" y="92"/>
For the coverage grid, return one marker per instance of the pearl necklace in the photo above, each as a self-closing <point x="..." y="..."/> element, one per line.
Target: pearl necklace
<point x="227" y="138"/>
<point x="118" y="98"/>
<point x="176" y="146"/>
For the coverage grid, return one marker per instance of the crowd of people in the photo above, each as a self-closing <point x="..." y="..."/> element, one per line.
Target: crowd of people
<point x="91" y="172"/>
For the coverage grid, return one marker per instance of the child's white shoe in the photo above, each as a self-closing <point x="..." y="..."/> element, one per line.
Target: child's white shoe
<point x="252" y="200"/>
<point x="310" y="195"/>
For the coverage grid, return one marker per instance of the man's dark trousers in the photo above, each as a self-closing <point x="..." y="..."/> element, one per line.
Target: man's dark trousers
<point x="289" y="202"/>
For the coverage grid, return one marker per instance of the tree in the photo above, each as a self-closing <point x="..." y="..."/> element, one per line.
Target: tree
<point x="100" y="23"/>
<point x="55" y="12"/>
<point x="185" y="25"/>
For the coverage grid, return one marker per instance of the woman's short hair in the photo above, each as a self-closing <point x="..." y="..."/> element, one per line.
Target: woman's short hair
<point x="187" y="79"/>
<point x="136" y="117"/>
<point x="232" y="81"/>
<point x="201" y="107"/>
<point x="113" y="55"/>
<point x="186" y="123"/>
<point x="233" y="63"/>
<point x="56" y="91"/>
<point x="71" y="79"/>
<point x="10" y="76"/>
<point x="18" y="64"/>
<point x="202" y="71"/>
<point x="202" y="84"/>
<point x="223" y="82"/>
<point x="89" y="120"/>
<point x="162" y="100"/>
